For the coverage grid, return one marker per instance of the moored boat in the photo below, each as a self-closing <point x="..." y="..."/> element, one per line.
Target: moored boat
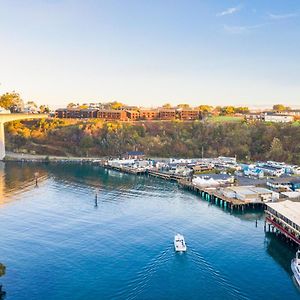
<point x="179" y="243"/>
<point x="295" y="265"/>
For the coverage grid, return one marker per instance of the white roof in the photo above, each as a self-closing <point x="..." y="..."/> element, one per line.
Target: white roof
<point x="249" y="190"/>
<point x="288" y="209"/>
<point x="291" y="194"/>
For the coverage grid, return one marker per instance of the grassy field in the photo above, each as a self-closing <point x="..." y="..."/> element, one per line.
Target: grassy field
<point x="225" y="119"/>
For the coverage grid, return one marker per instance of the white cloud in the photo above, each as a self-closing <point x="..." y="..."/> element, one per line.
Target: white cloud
<point x="229" y="11"/>
<point x="283" y="16"/>
<point x="241" y="29"/>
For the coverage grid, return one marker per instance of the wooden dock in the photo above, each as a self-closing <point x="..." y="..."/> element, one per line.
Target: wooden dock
<point x="216" y="197"/>
<point x="167" y="176"/>
<point x="128" y="170"/>
<point x="212" y="195"/>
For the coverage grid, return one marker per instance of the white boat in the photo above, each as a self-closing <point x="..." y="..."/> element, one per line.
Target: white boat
<point x="295" y="265"/>
<point x="179" y="243"/>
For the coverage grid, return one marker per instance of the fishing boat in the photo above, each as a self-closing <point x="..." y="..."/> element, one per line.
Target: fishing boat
<point x="179" y="243"/>
<point x="295" y="265"/>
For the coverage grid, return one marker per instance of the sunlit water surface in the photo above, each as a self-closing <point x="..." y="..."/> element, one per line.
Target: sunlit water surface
<point x="57" y="244"/>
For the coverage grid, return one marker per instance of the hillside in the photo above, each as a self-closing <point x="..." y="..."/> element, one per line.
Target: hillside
<point x="256" y="141"/>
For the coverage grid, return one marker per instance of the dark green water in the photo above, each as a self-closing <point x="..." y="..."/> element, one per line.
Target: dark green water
<point x="57" y="245"/>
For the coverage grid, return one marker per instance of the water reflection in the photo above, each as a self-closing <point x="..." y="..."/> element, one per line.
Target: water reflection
<point x="17" y="178"/>
<point x="277" y="248"/>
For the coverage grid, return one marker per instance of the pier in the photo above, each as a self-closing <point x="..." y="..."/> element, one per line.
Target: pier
<point x="216" y="197"/>
<point x="167" y="176"/>
<point x="125" y="169"/>
<point x="284" y="218"/>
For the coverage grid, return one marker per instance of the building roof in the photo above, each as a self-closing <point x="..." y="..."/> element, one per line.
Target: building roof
<point x="288" y="209"/>
<point x="115" y="111"/>
<point x="134" y="153"/>
<point x="249" y="190"/>
<point x="271" y="168"/>
<point x="167" y="110"/>
<point x="215" y="176"/>
<point x="286" y="180"/>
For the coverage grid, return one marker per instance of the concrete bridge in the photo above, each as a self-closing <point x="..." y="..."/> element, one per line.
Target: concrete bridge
<point x="13" y="117"/>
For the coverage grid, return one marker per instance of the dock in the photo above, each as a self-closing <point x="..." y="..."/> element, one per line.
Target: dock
<point x="125" y="169"/>
<point x="167" y="176"/>
<point x="283" y="218"/>
<point x="214" y="196"/>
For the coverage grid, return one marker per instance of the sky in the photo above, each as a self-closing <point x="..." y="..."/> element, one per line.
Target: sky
<point x="151" y="52"/>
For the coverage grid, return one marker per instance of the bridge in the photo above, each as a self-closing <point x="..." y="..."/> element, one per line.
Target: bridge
<point x="13" y="117"/>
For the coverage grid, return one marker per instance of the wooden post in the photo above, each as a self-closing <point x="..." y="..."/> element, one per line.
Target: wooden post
<point x="36" y="174"/>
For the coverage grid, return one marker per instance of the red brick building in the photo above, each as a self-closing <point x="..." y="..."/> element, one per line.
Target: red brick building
<point x="149" y="114"/>
<point x="188" y="114"/>
<point x="167" y="114"/>
<point x="132" y="115"/>
<point x="112" y="115"/>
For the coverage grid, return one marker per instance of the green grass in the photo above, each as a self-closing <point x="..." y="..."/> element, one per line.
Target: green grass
<point x="225" y="119"/>
<point x="296" y="123"/>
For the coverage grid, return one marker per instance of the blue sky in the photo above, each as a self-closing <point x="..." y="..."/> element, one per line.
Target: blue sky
<point x="148" y="52"/>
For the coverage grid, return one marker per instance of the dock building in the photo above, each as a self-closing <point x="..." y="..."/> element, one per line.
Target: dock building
<point x="284" y="217"/>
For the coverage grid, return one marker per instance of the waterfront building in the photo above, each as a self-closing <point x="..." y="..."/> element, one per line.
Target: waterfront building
<point x="254" y="172"/>
<point x="134" y="155"/>
<point x="284" y="216"/>
<point x="251" y="194"/>
<point x="289" y="183"/>
<point x="212" y="180"/>
<point x="271" y="170"/>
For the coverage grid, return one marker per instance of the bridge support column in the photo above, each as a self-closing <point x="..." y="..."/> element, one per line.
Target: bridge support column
<point x="2" y="141"/>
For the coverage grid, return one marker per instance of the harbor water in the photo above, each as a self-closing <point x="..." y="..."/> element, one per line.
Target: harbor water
<point x="58" y="242"/>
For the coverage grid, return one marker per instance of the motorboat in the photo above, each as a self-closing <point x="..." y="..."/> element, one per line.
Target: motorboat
<point x="179" y="243"/>
<point x="295" y="265"/>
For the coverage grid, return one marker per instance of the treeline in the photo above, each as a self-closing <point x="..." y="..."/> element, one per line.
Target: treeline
<point x="258" y="141"/>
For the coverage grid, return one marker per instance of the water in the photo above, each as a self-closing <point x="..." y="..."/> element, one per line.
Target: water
<point x="56" y="244"/>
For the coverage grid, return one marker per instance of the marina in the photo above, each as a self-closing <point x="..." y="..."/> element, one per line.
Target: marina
<point x="133" y="214"/>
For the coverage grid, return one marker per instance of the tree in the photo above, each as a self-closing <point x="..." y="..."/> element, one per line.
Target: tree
<point x="32" y="103"/>
<point x="183" y="105"/>
<point x="280" y="107"/>
<point x="71" y="105"/>
<point x="167" y="106"/>
<point x="276" y="150"/>
<point x="205" y="108"/>
<point x="86" y="143"/>
<point x="242" y="110"/>
<point x="44" y="109"/>
<point x="116" y="105"/>
<point x="228" y="110"/>
<point x="12" y="101"/>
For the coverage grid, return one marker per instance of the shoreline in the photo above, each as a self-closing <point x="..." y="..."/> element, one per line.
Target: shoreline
<point x="20" y="157"/>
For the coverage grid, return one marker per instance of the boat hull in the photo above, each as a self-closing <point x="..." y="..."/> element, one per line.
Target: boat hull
<point x="295" y="271"/>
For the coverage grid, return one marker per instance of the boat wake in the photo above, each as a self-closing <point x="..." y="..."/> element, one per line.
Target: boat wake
<point x="137" y="285"/>
<point x="233" y="291"/>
